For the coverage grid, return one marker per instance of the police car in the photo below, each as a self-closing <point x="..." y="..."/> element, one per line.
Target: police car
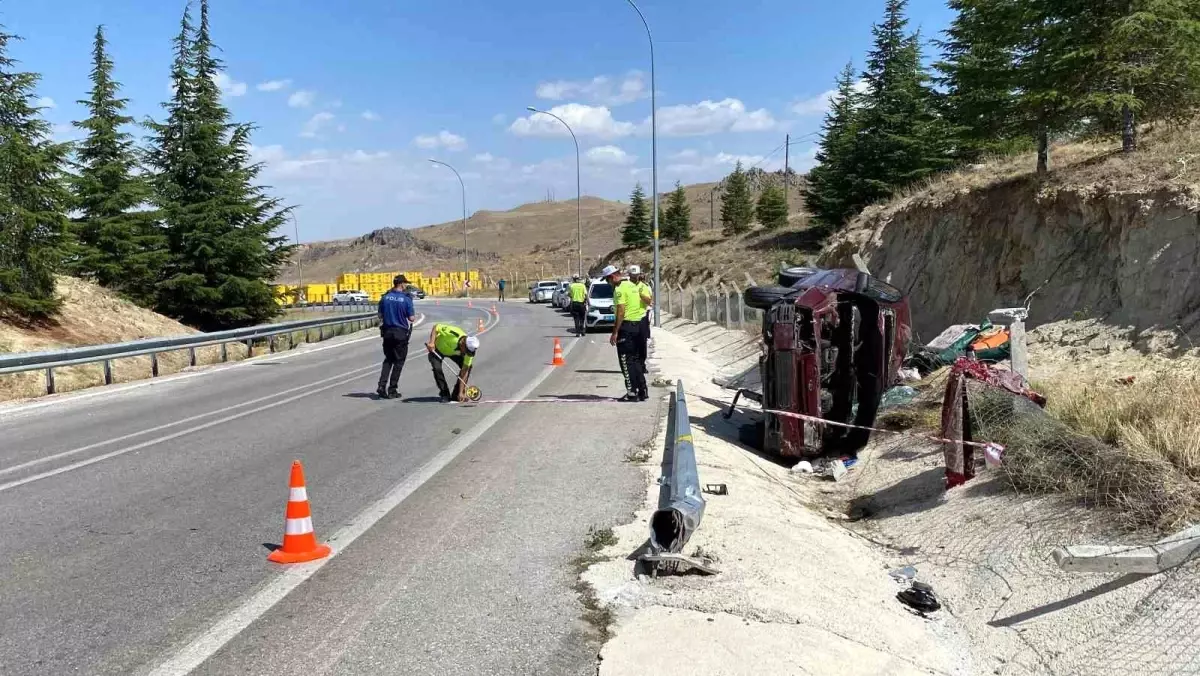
<point x="600" y="304"/>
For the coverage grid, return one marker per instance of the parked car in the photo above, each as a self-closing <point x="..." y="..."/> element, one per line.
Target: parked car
<point x="414" y="291"/>
<point x="835" y="341"/>
<point x="600" y="310"/>
<point x="542" y="291"/>
<point x="350" y="296"/>
<point x="562" y="298"/>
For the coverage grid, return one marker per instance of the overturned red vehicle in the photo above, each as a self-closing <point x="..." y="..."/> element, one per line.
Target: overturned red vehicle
<point x="834" y="343"/>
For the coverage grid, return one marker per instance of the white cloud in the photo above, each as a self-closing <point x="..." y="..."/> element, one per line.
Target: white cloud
<point x="229" y="86"/>
<point x="315" y="124"/>
<point x="268" y="154"/>
<point x="609" y="155"/>
<point x="584" y="119"/>
<point x="601" y="89"/>
<point x="691" y="165"/>
<point x="370" y="116"/>
<point x="302" y="99"/>
<point x="364" y="156"/>
<point x="819" y="104"/>
<point x="483" y="158"/>
<point x="443" y="139"/>
<point x="273" y="85"/>
<point x="45" y="102"/>
<point x="712" y="117"/>
<point x="499" y="118"/>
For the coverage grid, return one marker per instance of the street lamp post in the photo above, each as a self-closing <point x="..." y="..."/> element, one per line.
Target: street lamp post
<point x="578" y="187"/>
<point x="653" y="157"/>
<point x="466" y="273"/>
<point x="299" y="265"/>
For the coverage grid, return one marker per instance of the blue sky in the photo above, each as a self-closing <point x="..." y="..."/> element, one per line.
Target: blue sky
<point x="350" y="99"/>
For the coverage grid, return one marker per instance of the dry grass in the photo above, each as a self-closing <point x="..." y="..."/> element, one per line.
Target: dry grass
<point x="90" y="316"/>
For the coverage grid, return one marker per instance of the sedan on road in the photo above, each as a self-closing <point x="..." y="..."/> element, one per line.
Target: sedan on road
<point x="542" y="291"/>
<point x="350" y="297"/>
<point x="600" y="305"/>
<point x="562" y="296"/>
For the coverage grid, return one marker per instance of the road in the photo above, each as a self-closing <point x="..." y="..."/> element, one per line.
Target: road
<point x="135" y="521"/>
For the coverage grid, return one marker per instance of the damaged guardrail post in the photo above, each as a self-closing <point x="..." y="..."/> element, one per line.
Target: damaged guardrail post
<point x="681" y="506"/>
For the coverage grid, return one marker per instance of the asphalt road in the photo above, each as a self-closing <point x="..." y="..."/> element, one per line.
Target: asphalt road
<point x="135" y="521"/>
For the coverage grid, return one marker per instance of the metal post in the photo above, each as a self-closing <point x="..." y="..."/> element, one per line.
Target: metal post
<point x="107" y="372"/>
<point x="50" y="380"/>
<point x="466" y="264"/>
<point x="578" y="191"/>
<point x="299" y="266"/>
<point x="224" y="353"/>
<point x="153" y="364"/>
<point x="725" y="295"/>
<point x="653" y="154"/>
<point x="682" y="507"/>
<point x="787" y="146"/>
<point x="192" y="356"/>
<point x="712" y="207"/>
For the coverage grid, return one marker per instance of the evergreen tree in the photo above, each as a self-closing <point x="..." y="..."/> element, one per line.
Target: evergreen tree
<point x="737" y="209"/>
<point x="833" y="182"/>
<point x="33" y="195"/>
<point x="677" y="222"/>
<point x="118" y="241"/>
<point x="636" y="232"/>
<point x="900" y="138"/>
<point x="1149" y="64"/>
<point x="978" y="74"/>
<point x="772" y="208"/>
<point x="223" y="254"/>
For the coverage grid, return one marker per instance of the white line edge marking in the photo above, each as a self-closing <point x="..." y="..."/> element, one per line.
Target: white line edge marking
<point x="36" y="403"/>
<point x="228" y="627"/>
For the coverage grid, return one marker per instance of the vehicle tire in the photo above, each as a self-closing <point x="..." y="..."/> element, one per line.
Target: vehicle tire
<point x="789" y="276"/>
<point x="764" y="297"/>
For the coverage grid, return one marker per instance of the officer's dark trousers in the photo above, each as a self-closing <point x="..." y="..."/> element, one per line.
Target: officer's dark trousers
<point x="629" y="353"/>
<point x="579" y="314"/>
<point x="644" y="340"/>
<point x="395" y="351"/>
<point x="439" y="376"/>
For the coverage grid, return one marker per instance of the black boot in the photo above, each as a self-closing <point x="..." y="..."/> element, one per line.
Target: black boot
<point x="382" y="392"/>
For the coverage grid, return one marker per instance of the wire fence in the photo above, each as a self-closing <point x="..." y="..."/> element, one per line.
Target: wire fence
<point x="720" y="304"/>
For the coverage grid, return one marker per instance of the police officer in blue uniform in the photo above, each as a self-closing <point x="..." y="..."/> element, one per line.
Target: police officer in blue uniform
<point x="395" y="327"/>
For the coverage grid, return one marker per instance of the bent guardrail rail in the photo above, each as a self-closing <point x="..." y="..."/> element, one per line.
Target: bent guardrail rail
<point x="49" y="360"/>
<point x="681" y="505"/>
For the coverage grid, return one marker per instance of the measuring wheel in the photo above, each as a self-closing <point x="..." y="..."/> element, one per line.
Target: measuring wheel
<point x="474" y="393"/>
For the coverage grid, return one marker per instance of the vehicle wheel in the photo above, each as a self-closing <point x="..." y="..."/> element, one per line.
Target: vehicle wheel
<point x="763" y="297"/>
<point x="789" y="276"/>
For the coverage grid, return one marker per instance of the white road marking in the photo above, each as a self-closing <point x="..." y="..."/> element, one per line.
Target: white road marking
<point x="345" y="377"/>
<point x="228" y="627"/>
<point x="208" y="369"/>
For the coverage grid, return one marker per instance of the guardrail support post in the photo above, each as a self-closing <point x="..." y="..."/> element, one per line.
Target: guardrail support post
<point x="153" y="364"/>
<point x="107" y="372"/>
<point x="224" y="352"/>
<point x="50" y="380"/>
<point x="271" y="344"/>
<point x="322" y="334"/>
<point x="192" y="356"/>
<point x="249" y="348"/>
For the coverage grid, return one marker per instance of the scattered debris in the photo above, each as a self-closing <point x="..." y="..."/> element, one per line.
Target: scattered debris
<point x="837" y="469"/>
<point x="903" y="575"/>
<point x="920" y="597"/>
<point x="909" y="374"/>
<point x="662" y="382"/>
<point x="802" y="467"/>
<point x="456" y="430"/>
<point x="897" y="396"/>
<point x="677" y="564"/>
<point x="716" y="489"/>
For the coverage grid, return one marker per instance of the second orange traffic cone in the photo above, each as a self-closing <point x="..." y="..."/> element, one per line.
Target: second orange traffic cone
<point x="558" y="355"/>
<point x="299" y="539"/>
<point x="480" y="327"/>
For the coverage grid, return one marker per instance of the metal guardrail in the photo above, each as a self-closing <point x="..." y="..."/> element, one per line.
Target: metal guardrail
<point x="333" y="307"/>
<point x="51" y="359"/>
<point x="681" y="506"/>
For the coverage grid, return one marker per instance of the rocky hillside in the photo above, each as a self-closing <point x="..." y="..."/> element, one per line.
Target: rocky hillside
<point x="1105" y="236"/>
<point x="384" y="249"/>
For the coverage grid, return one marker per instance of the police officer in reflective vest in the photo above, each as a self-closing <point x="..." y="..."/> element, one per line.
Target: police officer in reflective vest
<point x="578" y="294"/>
<point x="647" y="295"/>
<point x="626" y="335"/>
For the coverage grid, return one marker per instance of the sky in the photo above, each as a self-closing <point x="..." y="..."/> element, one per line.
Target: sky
<point x="351" y="100"/>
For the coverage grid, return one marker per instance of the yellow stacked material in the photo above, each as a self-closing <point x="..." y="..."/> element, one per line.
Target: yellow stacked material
<point x="285" y="295"/>
<point x="347" y="281"/>
<point x="319" y="293"/>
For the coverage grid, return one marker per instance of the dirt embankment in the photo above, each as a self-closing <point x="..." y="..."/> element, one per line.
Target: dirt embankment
<point x="1106" y="236"/>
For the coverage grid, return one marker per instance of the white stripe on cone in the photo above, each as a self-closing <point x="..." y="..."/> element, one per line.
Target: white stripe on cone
<point x="298" y="526"/>
<point x="299" y="494"/>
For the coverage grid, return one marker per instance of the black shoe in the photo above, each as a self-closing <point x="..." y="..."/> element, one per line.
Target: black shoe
<point x="382" y="393"/>
<point x="445" y="398"/>
<point x="393" y="394"/>
<point x="628" y="398"/>
<point x="643" y="396"/>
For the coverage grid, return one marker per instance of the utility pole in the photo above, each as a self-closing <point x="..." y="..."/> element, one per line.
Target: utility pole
<point x="712" y="207"/>
<point x="787" y="146"/>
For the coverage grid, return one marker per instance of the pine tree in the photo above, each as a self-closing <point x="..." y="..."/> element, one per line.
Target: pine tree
<point x="1148" y="52"/>
<point x="677" y="221"/>
<point x="900" y="137"/>
<point x="118" y="241"/>
<point x="772" y="208"/>
<point x="33" y="195"/>
<point x="737" y="209"/>
<point x="636" y="232"/>
<point x="978" y="74"/>
<point x="219" y="224"/>
<point x="832" y="184"/>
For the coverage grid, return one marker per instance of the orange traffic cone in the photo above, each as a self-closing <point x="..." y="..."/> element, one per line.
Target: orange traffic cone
<point x="479" y="329"/>
<point x="299" y="540"/>
<point x="469" y="303"/>
<point x="558" y="355"/>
